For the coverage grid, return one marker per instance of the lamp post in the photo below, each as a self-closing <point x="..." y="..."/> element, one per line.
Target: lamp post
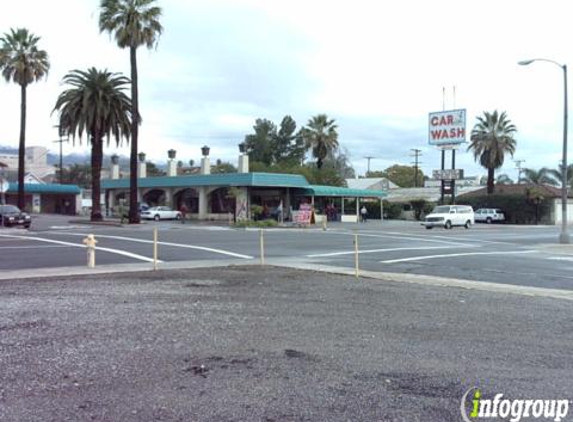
<point x="564" y="235"/>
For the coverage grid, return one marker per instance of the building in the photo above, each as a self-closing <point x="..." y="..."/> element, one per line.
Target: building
<point x="35" y="161"/>
<point x="217" y="196"/>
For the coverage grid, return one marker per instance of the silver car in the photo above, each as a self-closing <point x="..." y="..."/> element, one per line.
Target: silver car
<point x="160" y="213"/>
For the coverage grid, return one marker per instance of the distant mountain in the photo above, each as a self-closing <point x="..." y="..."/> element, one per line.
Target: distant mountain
<point x="78" y="158"/>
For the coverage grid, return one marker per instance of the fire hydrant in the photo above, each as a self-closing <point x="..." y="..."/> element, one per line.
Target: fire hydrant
<point x="90" y="243"/>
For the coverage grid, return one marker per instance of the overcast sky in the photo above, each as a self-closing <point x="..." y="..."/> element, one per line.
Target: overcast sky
<point x="377" y="67"/>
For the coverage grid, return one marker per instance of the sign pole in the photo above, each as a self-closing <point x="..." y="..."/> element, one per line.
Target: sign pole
<point x="453" y="182"/>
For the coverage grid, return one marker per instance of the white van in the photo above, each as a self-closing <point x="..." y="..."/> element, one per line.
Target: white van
<point x="448" y="216"/>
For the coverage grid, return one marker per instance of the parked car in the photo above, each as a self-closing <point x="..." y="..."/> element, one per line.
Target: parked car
<point x="448" y="216"/>
<point x="10" y="215"/>
<point x="160" y="213"/>
<point x="489" y="215"/>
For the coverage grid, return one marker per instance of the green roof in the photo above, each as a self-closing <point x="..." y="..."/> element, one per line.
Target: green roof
<point x="220" y="179"/>
<point x="45" y="188"/>
<point x="243" y="180"/>
<point x="321" y="190"/>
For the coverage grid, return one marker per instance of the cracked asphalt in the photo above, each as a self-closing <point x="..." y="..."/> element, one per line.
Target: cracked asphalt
<point x="269" y="344"/>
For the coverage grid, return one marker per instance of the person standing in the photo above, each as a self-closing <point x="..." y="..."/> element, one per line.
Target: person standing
<point x="364" y="213"/>
<point x="183" y="210"/>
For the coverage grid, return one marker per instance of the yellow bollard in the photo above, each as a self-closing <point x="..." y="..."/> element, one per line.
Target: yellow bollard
<point x="90" y="243"/>
<point x="324" y="219"/>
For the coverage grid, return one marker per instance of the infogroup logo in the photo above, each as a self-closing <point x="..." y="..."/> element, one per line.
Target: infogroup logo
<point x="474" y="407"/>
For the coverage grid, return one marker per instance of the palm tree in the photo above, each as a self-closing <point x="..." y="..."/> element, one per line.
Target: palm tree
<point x="503" y="179"/>
<point x="491" y="139"/>
<point x="321" y="137"/>
<point x="134" y="23"/>
<point x="543" y="176"/>
<point x="22" y="62"/>
<point x="558" y="175"/>
<point x="97" y="104"/>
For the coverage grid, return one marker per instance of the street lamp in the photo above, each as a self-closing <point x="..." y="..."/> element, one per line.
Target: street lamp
<point x="563" y="236"/>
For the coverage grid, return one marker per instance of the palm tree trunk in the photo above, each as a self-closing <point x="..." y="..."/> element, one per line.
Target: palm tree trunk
<point x="133" y="207"/>
<point x="22" y="149"/>
<point x="97" y="156"/>
<point x="490" y="179"/>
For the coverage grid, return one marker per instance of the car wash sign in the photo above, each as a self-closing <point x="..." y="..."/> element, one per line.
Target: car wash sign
<point x="447" y="127"/>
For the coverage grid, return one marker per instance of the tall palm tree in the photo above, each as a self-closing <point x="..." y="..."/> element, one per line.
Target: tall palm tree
<point x="321" y="137"/>
<point x="134" y="23"/>
<point x="543" y="176"/>
<point x="22" y="62"/>
<point x="491" y="139"/>
<point x="97" y="105"/>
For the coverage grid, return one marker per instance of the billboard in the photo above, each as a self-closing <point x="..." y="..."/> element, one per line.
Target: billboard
<point x="447" y="127"/>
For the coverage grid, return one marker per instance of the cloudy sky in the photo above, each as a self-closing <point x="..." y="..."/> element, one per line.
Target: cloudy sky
<point x="377" y="67"/>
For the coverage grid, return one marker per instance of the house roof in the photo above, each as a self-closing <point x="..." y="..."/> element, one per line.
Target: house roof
<point x="321" y="190"/>
<point x="370" y="183"/>
<point x="515" y="189"/>
<point x="44" y="188"/>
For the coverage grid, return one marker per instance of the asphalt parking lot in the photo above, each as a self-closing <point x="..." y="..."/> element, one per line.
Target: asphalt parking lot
<point x="270" y="344"/>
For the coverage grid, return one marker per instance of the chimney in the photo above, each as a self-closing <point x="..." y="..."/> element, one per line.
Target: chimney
<point x="171" y="164"/>
<point x="205" y="162"/>
<point x="114" y="171"/>
<point x="243" y="158"/>
<point x="142" y="167"/>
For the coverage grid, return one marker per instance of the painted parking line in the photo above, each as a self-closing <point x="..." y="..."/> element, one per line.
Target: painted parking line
<point x="425" y="257"/>
<point x="78" y="245"/>
<point x="176" y="245"/>
<point x="367" y="251"/>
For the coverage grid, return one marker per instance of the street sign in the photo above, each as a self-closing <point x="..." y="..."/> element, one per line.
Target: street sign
<point x="4" y="185"/>
<point x="448" y="174"/>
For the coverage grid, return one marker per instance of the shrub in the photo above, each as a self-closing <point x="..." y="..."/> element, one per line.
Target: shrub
<point x="518" y="208"/>
<point x="392" y="210"/>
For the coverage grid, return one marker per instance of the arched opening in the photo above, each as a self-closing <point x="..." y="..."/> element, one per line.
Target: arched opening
<point x="189" y="197"/>
<point x="220" y="201"/>
<point x="154" y="197"/>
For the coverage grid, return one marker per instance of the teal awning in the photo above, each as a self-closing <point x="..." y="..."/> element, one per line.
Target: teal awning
<point x="321" y="190"/>
<point x="45" y="188"/>
<point x="222" y="179"/>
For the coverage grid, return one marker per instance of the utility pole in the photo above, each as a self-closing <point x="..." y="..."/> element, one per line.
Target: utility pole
<point x="61" y="141"/>
<point x="368" y="158"/>
<point x="416" y="153"/>
<point x="518" y="167"/>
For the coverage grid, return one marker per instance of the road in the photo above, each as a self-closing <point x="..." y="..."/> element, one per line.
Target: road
<point x="519" y="255"/>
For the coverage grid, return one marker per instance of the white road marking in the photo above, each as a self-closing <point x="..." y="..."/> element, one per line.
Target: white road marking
<point x="421" y="239"/>
<point x="77" y="245"/>
<point x="420" y="258"/>
<point x="34" y="247"/>
<point x="470" y="239"/>
<point x="177" y="245"/>
<point x="560" y="258"/>
<point x="319" y="255"/>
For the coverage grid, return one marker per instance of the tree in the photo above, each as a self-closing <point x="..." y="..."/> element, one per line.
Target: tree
<point x="543" y="176"/>
<point x="503" y="179"/>
<point x="97" y="104"/>
<point x="260" y="143"/>
<point x="223" y="167"/>
<point x="491" y="139"/>
<point x="288" y="144"/>
<point x="321" y="137"/>
<point x="134" y="23"/>
<point x="153" y="171"/>
<point x="401" y="175"/>
<point x="80" y="174"/>
<point x="22" y="62"/>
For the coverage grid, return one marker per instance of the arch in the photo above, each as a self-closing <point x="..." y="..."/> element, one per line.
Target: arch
<point x="220" y="202"/>
<point x="188" y="196"/>
<point x="154" y="197"/>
